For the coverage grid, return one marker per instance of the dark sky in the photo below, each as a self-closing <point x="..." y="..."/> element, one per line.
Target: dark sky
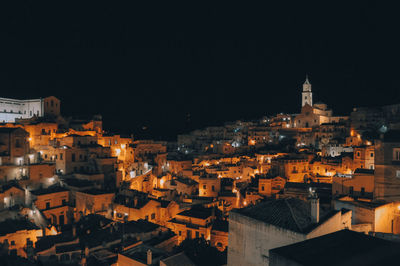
<point x="153" y="64"/>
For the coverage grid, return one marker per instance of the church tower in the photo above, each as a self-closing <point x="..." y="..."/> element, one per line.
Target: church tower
<point x="306" y="94"/>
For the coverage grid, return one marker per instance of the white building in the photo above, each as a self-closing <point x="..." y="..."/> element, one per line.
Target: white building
<point x="12" y="109"/>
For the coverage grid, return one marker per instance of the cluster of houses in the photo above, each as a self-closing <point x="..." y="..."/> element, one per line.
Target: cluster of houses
<point x="258" y="191"/>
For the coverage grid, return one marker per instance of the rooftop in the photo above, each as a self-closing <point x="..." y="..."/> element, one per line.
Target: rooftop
<point x="178" y="259"/>
<point x="96" y="191"/>
<point x="200" y="213"/>
<point x="49" y="190"/>
<point x="291" y="213"/>
<point x="364" y="171"/>
<point x="11" y="226"/>
<point x="341" y="248"/>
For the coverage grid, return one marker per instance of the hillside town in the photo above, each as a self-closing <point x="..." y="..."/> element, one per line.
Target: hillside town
<point x="284" y="189"/>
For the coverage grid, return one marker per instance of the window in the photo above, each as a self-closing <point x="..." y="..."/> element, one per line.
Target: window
<point x="262" y="188"/>
<point x="146" y="218"/>
<point x="212" y="188"/>
<point x="153" y="216"/>
<point x="47" y="205"/>
<point x="351" y="190"/>
<point x="398" y="173"/>
<point x="180" y="233"/>
<point x="30" y="113"/>
<point x="52" y="103"/>
<point x="372" y="154"/>
<point x="73" y="157"/>
<point x="61" y="156"/>
<point x="202" y="235"/>
<point x="37" y="113"/>
<point x="358" y="154"/>
<point x="204" y="186"/>
<point x="12" y="243"/>
<point x="64" y="202"/>
<point x="197" y="234"/>
<point x="17" y="143"/>
<point x="396" y="154"/>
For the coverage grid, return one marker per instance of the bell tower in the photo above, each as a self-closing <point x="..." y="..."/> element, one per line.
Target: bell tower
<point x="306" y="95"/>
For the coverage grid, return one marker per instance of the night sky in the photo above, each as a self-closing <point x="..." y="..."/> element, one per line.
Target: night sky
<point x="178" y="67"/>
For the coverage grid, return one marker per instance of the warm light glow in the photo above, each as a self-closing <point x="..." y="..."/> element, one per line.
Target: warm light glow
<point x="245" y="203"/>
<point x="122" y="146"/>
<point x="29" y="139"/>
<point x="252" y="142"/>
<point x="162" y="182"/>
<point x="117" y="151"/>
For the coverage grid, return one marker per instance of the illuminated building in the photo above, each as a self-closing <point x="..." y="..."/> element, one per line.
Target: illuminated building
<point x="375" y="216"/>
<point x="18" y="234"/>
<point x="54" y="204"/>
<point x="193" y="223"/>
<point x="387" y="166"/>
<point x="94" y="201"/>
<point x="12" y="109"/>
<point x="360" y="184"/>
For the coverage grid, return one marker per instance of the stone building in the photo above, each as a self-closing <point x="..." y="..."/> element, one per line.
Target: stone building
<point x="219" y="234"/>
<point x="360" y="184"/>
<point x="364" y="157"/>
<point x="375" y="216"/>
<point x="17" y="234"/>
<point x="387" y="167"/>
<point x="209" y="186"/>
<point x="313" y="115"/>
<point x="254" y="230"/>
<point x="193" y="223"/>
<point x="94" y="201"/>
<point x="53" y="202"/>
<point x="13" y="109"/>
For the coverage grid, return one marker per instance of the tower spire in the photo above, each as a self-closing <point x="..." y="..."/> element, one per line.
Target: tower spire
<point x="306" y="94"/>
<point x="307" y="81"/>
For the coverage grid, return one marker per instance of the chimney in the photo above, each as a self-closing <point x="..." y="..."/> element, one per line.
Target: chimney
<point x="315" y="210"/>
<point x="149" y="257"/>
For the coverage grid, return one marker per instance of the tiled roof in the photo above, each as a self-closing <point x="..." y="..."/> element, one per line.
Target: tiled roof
<point x="291" y="213"/>
<point x="178" y="259"/>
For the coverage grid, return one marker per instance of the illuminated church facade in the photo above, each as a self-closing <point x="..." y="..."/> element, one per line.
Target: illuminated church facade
<point x="313" y="115"/>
